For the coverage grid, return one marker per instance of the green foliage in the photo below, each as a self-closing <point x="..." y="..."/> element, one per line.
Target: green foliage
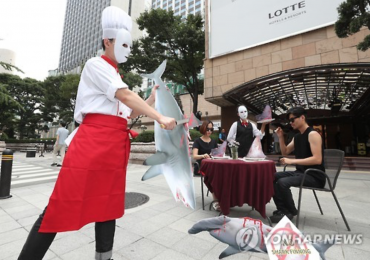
<point x="10" y="67"/>
<point x="3" y="136"/>
<point x="148" y="136"/>
<point x="131" y="79"/>
<point x="180" y="41"/>
<point x="68" y="97"/>
<point x="353" y="14"/>
<point x="27" y="93"/>
<point x="145" y="137"/>
<point x="7" y="104"/>
<point x="365" y="44"/>
<point x="25" y="104"/>
<point x="52" y="88"/>
<point x="5" y="98"/>
<point x="194" y="134"/>
<point x="69" y="86"/>
<point x="59" y="97"/>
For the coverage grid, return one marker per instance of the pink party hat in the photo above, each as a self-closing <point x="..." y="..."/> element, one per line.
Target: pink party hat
<point x="266" y="115"/>
<point x="220" y="151"/>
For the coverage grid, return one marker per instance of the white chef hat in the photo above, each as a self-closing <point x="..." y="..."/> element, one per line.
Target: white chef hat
<point x="114" y="19"/>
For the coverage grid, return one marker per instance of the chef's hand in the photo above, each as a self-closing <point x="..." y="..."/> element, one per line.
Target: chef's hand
<point x="167" y="123"/>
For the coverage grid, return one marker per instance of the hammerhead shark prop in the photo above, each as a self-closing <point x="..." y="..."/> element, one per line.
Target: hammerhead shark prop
<point x="172" y="158"/>
<point x="247" y="234"/>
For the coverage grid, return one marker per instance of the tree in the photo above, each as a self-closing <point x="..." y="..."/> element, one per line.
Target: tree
<point x="353" y="14"/>
<point x="10" y="67"/>
<point x="49" y="106"/>
<point x="180" y="41"/>
<point x="68" y="97"/>
<point x="5" y="98"/>
<point x="8" y="105"/>
<point x="27" y="92"/>
<point x="8" y="108"/>
<point x="59" y="97"/>
<point x="131" y="79"/>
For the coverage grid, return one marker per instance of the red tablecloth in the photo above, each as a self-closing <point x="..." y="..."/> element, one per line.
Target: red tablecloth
<point x="235" y="182"/>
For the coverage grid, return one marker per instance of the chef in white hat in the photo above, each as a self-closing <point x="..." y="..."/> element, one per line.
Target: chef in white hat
<point x="91" y="183"/>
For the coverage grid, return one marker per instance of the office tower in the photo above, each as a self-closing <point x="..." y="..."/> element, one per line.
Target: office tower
<point x="82" y="29"/>
<point x="180" y="7"/>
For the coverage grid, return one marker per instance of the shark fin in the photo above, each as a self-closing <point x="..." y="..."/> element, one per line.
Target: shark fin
<point x="228" y="252"/>
<point x="157" y="73"/>
<point x="322" y="246"/>
<point x="155" y="159"/>
<point x="152" y="172"/>
<point x="194" y="121"/>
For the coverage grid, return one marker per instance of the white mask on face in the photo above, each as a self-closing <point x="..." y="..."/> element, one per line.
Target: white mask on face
<point x="122" y="46"/>
<point x="243" y="112"/>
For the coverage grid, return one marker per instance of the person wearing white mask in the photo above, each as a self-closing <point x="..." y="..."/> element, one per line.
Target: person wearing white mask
<point x="91" y="184"/>
<point x="243" y="131"/>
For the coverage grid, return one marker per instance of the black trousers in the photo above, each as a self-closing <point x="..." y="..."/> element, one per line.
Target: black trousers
<point x="38" y="243"/>
<point x="283" y="196"/>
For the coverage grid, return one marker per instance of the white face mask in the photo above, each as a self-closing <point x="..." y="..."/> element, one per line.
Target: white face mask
<point x="122" y="46"/>
<point x="243" y="112"/>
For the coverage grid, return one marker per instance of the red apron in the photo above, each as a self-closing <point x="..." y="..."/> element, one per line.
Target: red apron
<point x="91" y="184"/>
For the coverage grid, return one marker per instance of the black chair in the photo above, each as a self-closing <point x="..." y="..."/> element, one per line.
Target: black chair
<point x="333" y="162"/>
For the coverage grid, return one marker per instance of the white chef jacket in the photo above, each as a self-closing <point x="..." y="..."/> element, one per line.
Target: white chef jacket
<point x="232" y="132"/>
<point x="97" y="89"/>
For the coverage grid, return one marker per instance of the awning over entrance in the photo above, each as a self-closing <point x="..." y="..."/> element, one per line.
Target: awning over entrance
<point x="333" y="90"/>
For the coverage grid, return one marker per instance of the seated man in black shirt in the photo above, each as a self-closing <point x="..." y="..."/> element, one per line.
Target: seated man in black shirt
<point x="307" y="145"/>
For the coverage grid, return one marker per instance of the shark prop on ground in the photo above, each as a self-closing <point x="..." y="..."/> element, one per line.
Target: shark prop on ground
<point x="247" y="234"/>
<point x="172" y="158"/>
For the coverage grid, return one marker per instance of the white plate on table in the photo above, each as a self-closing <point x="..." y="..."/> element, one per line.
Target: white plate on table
<point x="221" y="157"/>
<point x="254" y="159"/>
<point x="266" y="120"/>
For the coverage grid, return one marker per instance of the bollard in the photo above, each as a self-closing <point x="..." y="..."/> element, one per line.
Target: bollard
<point x="6" y="174"/>
<point x="42" y="147"/>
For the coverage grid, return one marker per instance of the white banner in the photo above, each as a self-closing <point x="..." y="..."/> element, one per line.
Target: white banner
<point x="240" y="24"/>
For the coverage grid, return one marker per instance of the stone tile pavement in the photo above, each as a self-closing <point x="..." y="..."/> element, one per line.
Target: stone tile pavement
<point x="158" y="229"/>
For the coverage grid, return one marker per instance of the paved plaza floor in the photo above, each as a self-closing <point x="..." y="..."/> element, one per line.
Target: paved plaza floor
<point x="158" y="229"/>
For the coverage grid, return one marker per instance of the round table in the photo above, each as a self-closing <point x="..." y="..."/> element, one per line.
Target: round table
<point x="236" y="182"/>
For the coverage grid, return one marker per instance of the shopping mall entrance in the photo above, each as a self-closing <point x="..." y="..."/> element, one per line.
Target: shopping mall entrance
<point x="336" y="96"/>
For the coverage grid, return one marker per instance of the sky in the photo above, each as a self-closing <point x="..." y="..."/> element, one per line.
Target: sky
<point x="33" y="29"/>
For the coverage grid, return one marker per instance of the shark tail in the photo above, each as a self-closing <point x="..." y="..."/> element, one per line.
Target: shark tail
<point x="153" y="171"/>
<point x="157" y="74"/>
<point x="323" y="246"/>
<point x="228" y="252"/>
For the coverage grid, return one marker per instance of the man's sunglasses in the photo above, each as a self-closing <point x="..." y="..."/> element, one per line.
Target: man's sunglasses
<point x="291" y="120"/>
<point x="210" y="129"/>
